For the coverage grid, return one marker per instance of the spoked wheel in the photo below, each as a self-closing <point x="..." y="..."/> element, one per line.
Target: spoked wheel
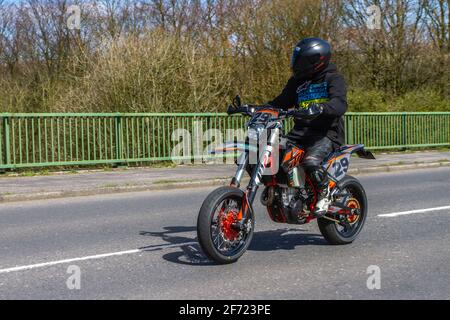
<point x="350" y="225"/>
<point x="218" y="229"/>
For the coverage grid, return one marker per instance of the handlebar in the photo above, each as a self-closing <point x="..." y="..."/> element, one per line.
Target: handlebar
<point x="250" y="110"/>
<point x="242" y="109"/>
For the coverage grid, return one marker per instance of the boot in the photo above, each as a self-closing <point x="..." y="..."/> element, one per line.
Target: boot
<point x="320" y="180"/>
<point x="323" y="202"/>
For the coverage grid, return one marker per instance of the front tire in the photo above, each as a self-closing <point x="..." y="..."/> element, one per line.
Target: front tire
<point x="211" y="232"/>
<point x="331" y="230"/>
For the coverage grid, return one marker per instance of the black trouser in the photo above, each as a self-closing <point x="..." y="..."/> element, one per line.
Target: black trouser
<point x="317" y="149"/>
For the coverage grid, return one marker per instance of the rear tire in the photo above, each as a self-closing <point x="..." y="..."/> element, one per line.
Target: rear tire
<point x="205" y="222"/>
<point x="329" y="229"/>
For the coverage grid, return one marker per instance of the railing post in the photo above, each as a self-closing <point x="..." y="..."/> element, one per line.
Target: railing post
<point x="404" y="138"/>
<point x="7" y="140"/>
<point x="349" y="129"/>
<point x="118" y="138"/>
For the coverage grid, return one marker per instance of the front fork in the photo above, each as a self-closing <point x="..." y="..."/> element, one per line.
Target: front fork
<point x="256" y="176"/>
<point x="242" y="163"/>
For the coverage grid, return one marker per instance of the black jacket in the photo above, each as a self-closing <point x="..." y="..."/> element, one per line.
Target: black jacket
<point x="328" y="88"/>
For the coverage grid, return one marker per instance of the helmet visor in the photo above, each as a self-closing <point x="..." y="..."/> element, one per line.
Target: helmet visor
<point x="301" y="65"/>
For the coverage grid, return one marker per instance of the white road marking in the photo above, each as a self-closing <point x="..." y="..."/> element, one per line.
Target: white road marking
<point x="396" y="214"/>
<point x="98" y="256"/>
<point x="166" y="246"/>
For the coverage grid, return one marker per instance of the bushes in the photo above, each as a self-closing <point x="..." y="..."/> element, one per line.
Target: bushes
<point x="194" y="56"/>
<point x="160" y="73"/>
<point x="426" y="100"/>
<point x="152" y="73"/>
<point x="423" y="100"/>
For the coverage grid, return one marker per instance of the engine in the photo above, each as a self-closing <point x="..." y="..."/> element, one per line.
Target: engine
<point x="285" y="205"/>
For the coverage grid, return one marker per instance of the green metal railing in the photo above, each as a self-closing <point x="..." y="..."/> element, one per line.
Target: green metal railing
<point x="37" y="140"/>
<point x="398" y="130"/>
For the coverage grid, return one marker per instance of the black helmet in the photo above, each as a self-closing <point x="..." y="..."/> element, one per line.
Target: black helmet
<point x="310" y="56"/>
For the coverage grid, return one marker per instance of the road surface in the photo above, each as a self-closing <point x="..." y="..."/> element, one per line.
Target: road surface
<point x="143" y="246"/>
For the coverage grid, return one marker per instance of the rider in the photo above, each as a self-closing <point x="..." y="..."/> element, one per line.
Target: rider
<point x="316" y="88"/>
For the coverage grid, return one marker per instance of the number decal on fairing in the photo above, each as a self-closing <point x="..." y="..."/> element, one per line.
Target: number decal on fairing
<point x="337" y="169"/>
<point x="345" y="164"/>
<point x="340" y="168"/>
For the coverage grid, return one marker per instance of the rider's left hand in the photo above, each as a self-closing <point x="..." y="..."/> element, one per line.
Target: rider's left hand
<point x="313" y="111"/>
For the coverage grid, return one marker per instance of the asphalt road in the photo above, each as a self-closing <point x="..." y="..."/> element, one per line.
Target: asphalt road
<point x="142" y="246"/>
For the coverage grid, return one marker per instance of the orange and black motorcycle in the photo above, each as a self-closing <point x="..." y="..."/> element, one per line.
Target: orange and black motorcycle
<point x="226" y="219"/>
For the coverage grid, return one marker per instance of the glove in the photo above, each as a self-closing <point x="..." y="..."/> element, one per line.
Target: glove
<point x="314" y="110"/>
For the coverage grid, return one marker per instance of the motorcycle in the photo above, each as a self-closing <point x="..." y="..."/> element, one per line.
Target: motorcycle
<point x="226" y="221"/>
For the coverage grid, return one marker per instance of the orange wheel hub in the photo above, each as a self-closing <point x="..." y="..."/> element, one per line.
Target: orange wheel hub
<point x="226" y="226"/>
<point x="353" y="204"/>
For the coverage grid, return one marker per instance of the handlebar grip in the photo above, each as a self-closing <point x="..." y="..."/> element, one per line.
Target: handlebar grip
<point x="231" y="110"/>
<point x="234" y="110"/>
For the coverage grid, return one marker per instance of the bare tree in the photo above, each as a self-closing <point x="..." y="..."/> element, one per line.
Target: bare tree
<point x="181" y="49"/>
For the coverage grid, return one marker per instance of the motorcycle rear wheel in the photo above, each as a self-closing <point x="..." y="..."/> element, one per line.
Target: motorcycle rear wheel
<point x="333" y="232"/>
<point x="218" y="240"/>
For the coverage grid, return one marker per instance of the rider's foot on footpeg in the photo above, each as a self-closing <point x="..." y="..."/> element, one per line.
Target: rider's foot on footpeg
<point x="323" y="204"/>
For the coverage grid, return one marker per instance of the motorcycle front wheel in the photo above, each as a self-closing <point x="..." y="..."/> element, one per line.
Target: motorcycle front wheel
<point x="217" y="234"/>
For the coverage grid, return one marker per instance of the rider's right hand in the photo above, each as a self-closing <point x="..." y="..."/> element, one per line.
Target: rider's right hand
<point x="231" y="109"/>
<point x="247" y="108"/>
